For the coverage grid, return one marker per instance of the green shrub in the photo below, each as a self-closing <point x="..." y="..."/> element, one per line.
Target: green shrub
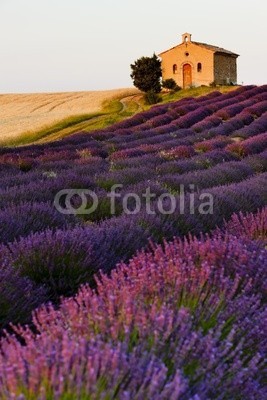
<point x="213" y="84"/>
<point x="171" y="85"/>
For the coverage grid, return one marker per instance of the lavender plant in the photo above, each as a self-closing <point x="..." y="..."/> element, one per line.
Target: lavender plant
<point x="167" y="325"/>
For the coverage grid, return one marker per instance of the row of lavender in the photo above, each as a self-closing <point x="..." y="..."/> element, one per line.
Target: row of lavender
<point x="35" y="192"/>
<point x="184" y="321"/>
<point x="242" y="112"/>
<point x="48" y="254"/>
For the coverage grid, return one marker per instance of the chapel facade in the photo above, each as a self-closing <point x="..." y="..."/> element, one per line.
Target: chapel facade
<point x="194" y="64"/>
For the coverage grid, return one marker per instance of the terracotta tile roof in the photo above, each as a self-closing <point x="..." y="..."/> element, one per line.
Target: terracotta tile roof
<point x="216" y="49"/>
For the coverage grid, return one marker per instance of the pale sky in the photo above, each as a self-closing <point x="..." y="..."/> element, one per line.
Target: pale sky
<point x="73" y="45"/>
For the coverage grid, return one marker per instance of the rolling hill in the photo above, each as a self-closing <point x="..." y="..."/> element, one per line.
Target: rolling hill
<point x="148" y="240"/>
<point x="26" y="114"/>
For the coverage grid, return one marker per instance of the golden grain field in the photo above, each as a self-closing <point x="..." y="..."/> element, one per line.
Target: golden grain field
<point x="20" y="113"/>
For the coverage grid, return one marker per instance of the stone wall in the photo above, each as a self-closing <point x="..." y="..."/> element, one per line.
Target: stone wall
<point x="225" y="69"/>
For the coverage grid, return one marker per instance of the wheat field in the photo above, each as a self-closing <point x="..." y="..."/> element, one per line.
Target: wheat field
<point x="21" y="113"/>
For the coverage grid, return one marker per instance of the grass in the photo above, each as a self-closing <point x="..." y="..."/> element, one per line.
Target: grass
<point x="195" y="92"/>
<point x="115" y="109"/>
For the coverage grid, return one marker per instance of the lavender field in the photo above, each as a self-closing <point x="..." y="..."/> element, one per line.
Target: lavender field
<point x="145" y="304"/>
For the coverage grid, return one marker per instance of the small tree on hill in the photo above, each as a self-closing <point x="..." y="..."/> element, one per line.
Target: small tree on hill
<point x="146" y="74"/>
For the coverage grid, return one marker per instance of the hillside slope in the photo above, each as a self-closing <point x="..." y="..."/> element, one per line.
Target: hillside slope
<point x="28" y="113"/>
<point x="39" y="118"/>
<point x="183" y="320"/>
<point x="214" y="144"/>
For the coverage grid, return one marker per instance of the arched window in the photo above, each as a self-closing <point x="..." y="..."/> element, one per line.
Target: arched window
<point x="199" y="67"/>
<point x="174" y="68"/>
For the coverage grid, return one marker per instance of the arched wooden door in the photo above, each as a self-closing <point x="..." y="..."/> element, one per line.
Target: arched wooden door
<point x="187" y="75"/>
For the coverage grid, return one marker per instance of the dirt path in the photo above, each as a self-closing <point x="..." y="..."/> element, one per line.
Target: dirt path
<point x="135" y="99"/>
